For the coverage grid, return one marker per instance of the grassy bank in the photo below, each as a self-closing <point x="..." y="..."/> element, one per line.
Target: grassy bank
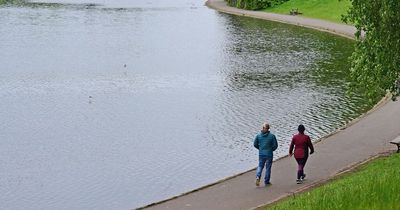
<point x="12" y="2"/>
<point x="371" y="186"/>
<point x="330" y="10"/>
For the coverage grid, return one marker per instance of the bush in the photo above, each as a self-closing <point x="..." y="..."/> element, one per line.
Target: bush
<point x="254" y="4"/>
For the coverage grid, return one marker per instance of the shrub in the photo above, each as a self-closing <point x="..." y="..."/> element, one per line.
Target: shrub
<point x="254" y="4"/>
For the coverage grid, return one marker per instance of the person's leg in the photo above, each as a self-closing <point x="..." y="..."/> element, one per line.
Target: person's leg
<point x="304" y="161"/>
<point x="268" y="166"/>
<point x="300" y="167"/>
<point x="261" y="163"/>
<point x="300" y="171"/>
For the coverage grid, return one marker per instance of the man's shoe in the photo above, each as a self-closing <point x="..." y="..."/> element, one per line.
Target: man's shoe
<point x="258" y="181"/>
<point x="267" y="183"/>
<point x="299" y="181"/>
<point x="303" y="177"/>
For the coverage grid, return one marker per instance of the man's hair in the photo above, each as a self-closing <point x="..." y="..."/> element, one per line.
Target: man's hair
<point x="266" y="125"/>
<point x="301" y="128"/>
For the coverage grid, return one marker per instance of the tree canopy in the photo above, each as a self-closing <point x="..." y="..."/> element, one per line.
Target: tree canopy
<point x="376" y="59"/>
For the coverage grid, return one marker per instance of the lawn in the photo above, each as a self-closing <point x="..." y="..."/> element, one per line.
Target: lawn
<point x="331" y="10"/>
<point x="373" y="186"/>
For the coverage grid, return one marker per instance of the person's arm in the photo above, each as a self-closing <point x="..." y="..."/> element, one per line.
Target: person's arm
<point x="291" y="147"/>
<point x="310" y="145"/>
<point x="275" y="143"/>
<point x="256" y="144"/>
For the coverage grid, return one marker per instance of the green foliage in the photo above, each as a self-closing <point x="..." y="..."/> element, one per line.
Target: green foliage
<point x="32" y="4"/>
<point x="373" y="186"/>
<point x="12" y="2"/>
<point x="254" y="4"/>
<point x="376" y="59"/>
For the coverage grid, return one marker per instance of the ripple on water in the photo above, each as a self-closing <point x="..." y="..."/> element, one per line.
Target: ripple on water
<point x="104" y="103"/>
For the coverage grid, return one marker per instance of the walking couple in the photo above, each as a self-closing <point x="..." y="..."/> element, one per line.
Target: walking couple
<point x="266" y="143"/>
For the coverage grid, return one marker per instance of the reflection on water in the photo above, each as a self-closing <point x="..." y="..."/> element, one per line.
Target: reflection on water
<point x="117" y="104"/>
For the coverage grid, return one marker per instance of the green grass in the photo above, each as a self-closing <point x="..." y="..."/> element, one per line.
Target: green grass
<point x="375" y="185"/>
<point x="330" y="10"/>
<point x="11" y="2"/>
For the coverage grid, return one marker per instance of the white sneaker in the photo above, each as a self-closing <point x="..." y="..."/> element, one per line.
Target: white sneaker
<point x="299" y="181"/>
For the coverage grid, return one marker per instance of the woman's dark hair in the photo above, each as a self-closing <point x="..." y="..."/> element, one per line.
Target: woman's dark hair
<point x="301" y="128"/>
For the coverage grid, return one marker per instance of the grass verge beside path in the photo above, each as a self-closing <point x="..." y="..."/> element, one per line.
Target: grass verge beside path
<point x="374" y="185"/>
<point x="330" y="10"/>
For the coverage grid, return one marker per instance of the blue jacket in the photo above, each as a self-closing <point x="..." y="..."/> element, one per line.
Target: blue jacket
<point x="265" y="143"/>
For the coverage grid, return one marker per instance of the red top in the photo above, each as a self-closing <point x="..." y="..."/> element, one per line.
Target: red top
<point x="301" y="142"/>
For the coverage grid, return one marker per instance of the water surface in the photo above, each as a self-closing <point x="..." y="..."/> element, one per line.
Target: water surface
<point x="117" y="104"/>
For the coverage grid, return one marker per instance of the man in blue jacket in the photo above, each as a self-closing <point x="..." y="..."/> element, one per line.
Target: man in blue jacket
<point x="266" y="143"/>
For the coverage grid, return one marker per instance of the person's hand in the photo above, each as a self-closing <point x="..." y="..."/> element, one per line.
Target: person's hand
<point x="290" y="154"/>
<point x="311" y="152"/>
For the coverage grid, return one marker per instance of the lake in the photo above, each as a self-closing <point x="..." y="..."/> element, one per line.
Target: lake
<point x="118" y="104"/>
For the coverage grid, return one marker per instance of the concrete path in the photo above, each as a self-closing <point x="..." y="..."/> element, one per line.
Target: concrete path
<point x="366" y="137"/>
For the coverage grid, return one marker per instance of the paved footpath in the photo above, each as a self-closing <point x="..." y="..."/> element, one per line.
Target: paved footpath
<point x="361" y="140"/>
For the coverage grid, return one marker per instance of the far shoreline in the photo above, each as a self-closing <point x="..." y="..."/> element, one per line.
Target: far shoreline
<point x="343" y="30"/>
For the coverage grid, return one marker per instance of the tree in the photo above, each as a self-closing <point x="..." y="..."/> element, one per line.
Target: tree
<point x="376" y="59"/>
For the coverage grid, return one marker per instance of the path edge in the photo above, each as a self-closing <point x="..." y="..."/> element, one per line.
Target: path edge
<point x="281" y="18"/>
<point x="382" y="102"/>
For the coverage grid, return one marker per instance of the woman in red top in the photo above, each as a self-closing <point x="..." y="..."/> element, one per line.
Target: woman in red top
<point x="301" y="142"/>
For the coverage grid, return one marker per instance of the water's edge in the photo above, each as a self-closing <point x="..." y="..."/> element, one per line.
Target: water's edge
<point x="382" y="102"/>
<point x="320" y="25"/>
<point x="343" y="30"/>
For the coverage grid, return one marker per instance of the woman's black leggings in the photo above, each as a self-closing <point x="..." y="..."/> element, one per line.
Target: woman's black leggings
<point x="301" y="162"/>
